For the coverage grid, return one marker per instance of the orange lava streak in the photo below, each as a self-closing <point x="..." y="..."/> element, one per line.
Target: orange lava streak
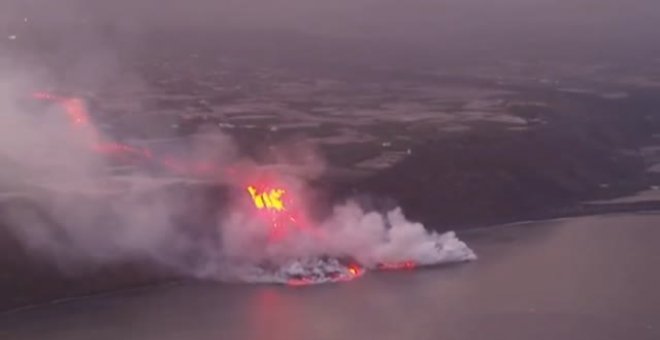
<point x="76" y="112"/>
<point x="79" y="119"/>
<point x="398" y="265"/>
<point x="74" y="108"/>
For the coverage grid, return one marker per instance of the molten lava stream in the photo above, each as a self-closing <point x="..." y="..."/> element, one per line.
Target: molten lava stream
<point x="80" y="120"/>
<point x="406" y="265"/>
<point x="272" y="202"/>
<point x="353" y="271"/>
<point x="275" y="206"/>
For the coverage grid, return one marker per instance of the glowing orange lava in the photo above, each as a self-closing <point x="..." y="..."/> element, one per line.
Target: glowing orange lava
<point x="269" y="200"/>
<point x="354" y="271"/>
<point x="79" y="119"/>
<point x="74" y="108"/>
<point x="398" y="265"/>
<point x="273" y="202"/>
<point x="76" y="111"/>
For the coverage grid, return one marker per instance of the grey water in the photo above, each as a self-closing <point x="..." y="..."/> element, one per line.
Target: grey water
<point x="580" y="278"/>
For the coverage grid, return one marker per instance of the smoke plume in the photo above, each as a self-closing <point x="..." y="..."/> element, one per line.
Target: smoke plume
<point x="80" y="213"/>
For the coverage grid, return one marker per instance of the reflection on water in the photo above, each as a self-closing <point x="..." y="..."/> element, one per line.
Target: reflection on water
<point x="584" y="278"/>
<point x="267" y="321"/>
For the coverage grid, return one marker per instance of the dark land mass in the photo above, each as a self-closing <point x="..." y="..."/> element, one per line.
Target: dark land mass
<point x="588" y="149"/>
<point x="478" y="178"/>
<point x="583" y="148"/>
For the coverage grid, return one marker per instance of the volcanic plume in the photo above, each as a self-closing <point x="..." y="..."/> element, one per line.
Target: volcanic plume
<point x="270" y="238"/>
<point x="266" y="235"/>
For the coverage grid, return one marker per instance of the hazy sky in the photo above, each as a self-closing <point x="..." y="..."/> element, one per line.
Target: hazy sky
<point x="413" y="20"/>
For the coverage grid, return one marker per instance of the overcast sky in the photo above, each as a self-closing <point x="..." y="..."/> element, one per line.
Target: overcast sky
<point x="409" y="20"/>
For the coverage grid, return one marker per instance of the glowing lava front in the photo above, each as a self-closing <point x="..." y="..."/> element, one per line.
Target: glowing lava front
<point x="274" y="205"/>
<point x="406" y="265"/>
<point x="79" y="120"/>
<point x="269" y="200"/>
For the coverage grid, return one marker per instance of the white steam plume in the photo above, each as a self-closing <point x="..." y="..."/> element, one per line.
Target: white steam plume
<point x="351" y="235"/>
<point x="79" y="214"/>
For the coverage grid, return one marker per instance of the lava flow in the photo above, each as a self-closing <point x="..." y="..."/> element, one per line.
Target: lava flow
<point x="73" y="107"/>
<point x="352" y="271"/>
<point x="272" y="202"/>
<point x="80" y="120"/>
<point x="275" y="206"/>
<point x="406" y="265"/>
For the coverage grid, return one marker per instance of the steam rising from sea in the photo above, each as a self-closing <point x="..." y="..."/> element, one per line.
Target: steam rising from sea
<point x="77" y="216"/>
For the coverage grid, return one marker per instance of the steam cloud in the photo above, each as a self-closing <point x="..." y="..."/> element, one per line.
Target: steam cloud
<point x="80" y="214"/>
<point x="371" y="239"/>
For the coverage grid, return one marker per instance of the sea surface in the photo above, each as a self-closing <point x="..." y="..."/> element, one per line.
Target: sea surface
<point x="579" y="278"/>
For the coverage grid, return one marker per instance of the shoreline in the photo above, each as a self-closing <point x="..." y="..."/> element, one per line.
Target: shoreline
<point x="159" y="283"/>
